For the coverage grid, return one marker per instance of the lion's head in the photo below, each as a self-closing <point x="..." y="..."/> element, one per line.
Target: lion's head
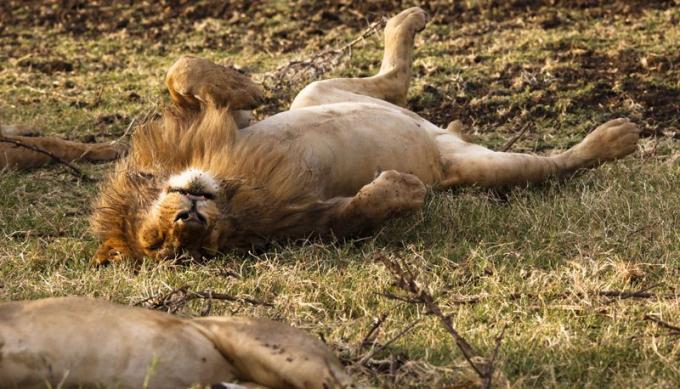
<point x="184" y="217"/>
<point x="162" y="201"/>
<point x="187" y="187"/>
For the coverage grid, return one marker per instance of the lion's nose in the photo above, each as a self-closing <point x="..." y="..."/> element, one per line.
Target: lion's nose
<point x="191" y="216"/>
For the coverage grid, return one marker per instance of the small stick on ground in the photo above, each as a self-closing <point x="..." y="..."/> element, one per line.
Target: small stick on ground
<point x="208" y="306"/>
<point x="226" y="297"/>
<point x="655" y="132"/>
<point x="674" y="329"/>
<point x="178" y="298"/>
<point x="144" y="120"/>
<point x="393" y="339"/>
<point x="127" y="130"/>
<point x="491" y="366"/>
<point x="506" y="147"/>
<point x="644" y="293"/>
<point x="393" y="296"/>
<point x="319" y="63"/>
<point x="74" y="169"/>
<point x="365" y="341"/>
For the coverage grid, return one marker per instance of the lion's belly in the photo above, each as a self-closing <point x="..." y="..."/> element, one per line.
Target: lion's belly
<point x="345" y="145"/>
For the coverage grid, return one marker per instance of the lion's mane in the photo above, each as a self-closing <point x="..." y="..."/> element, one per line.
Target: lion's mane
<point x="262" y="189"/>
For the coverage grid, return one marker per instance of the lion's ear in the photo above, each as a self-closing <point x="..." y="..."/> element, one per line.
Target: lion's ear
<point x="112" y="250"/>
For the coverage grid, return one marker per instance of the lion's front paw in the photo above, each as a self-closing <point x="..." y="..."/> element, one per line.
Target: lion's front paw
<point x="193" y="81"/>
<point x="111" y="250"/>
<point x="392" y="193"/>
<point x="612" y="140"/>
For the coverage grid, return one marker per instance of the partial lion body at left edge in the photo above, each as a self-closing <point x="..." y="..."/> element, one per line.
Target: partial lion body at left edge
<point x="83" y="342"/>
<point x="76" y="342"/>
<point x="18" y="149"/>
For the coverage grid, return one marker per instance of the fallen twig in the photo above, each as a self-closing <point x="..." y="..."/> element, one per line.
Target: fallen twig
<point x="127" y="130"/>
<point x="393" y="339"/>
<point x="74" y="169"/>
<point x="226" y="297"/>
<point x="506" y="147"/>
<point x="464" y="300"/>
<point x="474" y="299"/>
<point x="657" y="133"/>
<point x="644" y="293"/>
<point x="208" y="307"/>
<point x="393" y="296"/>
<point x="406" y="280"/>
<point x="675" y="329"/>
<point x="372" y="331"/>
<point x="177" y="298"/>
<point x="317" y="64"/>
<point x="144" y="120"/>
<point x="491" y="366"/>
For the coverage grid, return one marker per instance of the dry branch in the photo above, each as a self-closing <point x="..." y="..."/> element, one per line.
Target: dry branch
<point x="393" y="296"/>
<point x="405" y="279"/>
<point x="515" y="138"/>
<point x="226" y="297"/>
<point x="624" y="294"/>
<point x="675" y="329"/>
<point x="316" y="65"/>
<point x="393" y="339"/>
<point x="177" y="298"/>
<point x="492" y="361"/>
<point x="657" y="133"/>
<point x="74" y="169"/>
<point x="474" y="299"/>
<point x="140" y="120"/>
<point x="372" y="331"/>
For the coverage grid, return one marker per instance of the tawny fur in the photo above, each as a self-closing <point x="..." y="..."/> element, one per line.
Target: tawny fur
<point x="255" y="180"/>
<point x="15" y="156"/>
<point x="345" y="157"/>
<point x="81" y="342"/>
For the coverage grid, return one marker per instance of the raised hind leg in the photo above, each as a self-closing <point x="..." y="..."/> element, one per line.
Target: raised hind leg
<point x="392" y="81"/>
<point x="470" y="164"/>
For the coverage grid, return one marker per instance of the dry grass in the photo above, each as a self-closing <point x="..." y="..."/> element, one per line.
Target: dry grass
<point x="538" y="258"/>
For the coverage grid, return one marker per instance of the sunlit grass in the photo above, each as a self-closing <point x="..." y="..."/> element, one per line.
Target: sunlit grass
<point x="535" y="258"/>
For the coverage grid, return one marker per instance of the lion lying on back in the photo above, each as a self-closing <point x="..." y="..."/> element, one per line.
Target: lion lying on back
<point x="345" y="157"/>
